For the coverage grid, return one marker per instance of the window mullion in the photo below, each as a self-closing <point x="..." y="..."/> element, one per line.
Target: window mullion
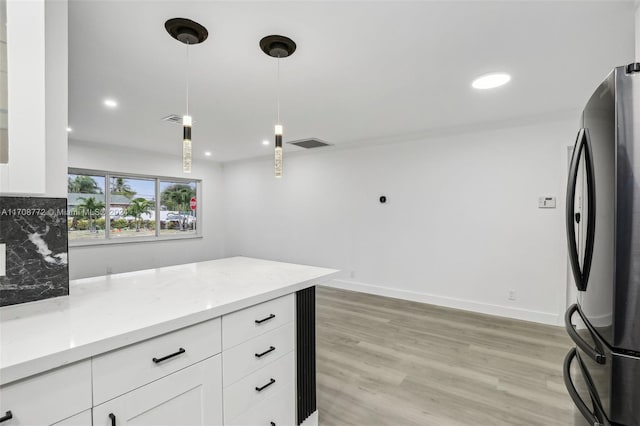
<point x="107" y="202"/>
<point x="199" y="208"/>
<point x="157" y="225"/>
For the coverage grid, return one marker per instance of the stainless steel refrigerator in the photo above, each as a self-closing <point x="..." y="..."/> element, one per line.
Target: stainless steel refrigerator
<point x="602" y="373"/>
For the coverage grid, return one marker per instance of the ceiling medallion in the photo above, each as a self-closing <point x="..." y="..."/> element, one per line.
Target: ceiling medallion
<point x="277" y="46"/>
<point x="186" y="31"/>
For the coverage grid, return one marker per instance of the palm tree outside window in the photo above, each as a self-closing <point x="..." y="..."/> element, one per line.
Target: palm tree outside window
<point x="86" y="206"/>
<point x="176" y="213"/>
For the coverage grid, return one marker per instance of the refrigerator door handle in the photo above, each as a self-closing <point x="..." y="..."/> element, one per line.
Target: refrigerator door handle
<point x="595" y="354"/>
<point x="591" y="416"/>
<point x="591" y="208"/>
<point x="583" y="144"/>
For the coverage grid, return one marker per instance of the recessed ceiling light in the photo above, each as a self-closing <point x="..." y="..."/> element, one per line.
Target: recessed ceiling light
<point x="208" y="153"/>
<point x="265" y="142"/>
<point x="69" y="129"/>
<point x="110" y="103"/>
<point x="490" y="81"/>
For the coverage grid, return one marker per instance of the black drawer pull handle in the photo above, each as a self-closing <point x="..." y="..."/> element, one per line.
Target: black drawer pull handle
<point x="113" y="419"/>
<point x="272" y="316"/>
<point x="7" y="416"/>
<point x="260" y="389"/>
<point x="271" y="349"/>
<point x="164" y="358"/>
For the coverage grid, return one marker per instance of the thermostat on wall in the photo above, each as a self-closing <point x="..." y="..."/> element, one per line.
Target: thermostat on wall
<point x="547" y="202"/>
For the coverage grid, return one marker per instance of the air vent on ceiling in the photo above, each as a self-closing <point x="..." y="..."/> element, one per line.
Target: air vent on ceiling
<point x="173" y="118"/>
<point x="309" y="143"/>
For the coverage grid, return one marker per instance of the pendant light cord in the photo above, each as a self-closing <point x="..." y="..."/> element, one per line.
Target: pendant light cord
<point x="278" y="89"/>
<point x="187" y="43"/>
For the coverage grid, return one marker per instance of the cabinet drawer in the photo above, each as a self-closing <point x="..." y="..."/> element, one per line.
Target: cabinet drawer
<point x="278" y="409"/>
<point x="244" y="394"/>
<point x="82" y="419"/>
<point x="189" y="397"/>
<point x="122" y="370"/>
<point x="49" y="397"/>
<point x="248" y="323"/>
<point x="254" y="354"/>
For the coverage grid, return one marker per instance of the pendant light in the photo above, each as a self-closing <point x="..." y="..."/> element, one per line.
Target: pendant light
<point x="278" y="46"/>
<point x="188" y="32"/>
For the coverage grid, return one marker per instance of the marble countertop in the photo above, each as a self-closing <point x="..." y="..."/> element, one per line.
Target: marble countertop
<point x="108" y="312"/>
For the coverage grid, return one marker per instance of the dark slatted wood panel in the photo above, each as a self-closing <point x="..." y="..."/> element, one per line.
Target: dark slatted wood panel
<point x="306" y="352"/>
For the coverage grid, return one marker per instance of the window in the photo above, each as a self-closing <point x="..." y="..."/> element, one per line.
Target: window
<point x="108" y="207"/>
<point x="176" y="215"/>
<point x="86" y="206"/>
<point x="132" y="206"/>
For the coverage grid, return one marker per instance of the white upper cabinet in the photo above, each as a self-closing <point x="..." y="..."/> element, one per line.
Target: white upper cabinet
<point x="24" y="173"/>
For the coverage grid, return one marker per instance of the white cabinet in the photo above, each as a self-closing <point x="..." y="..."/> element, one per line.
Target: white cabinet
<point x="181" y="378"/>
<point x="48" y="397"/>
<point x="122" y="370"/>
<point x="172" y="379"/>
<point x="251" y="391"/>
<point x="259" y="364"/>
<point x="274" y="410"/>
<point x="25" y="171"/>
<point x="245" y="324"/>
<point x="257" y="353"/>
<point x="80" y="419"/>
<point x="188" y="397"/>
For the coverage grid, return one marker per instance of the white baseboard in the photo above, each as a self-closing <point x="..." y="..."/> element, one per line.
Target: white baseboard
<point x="450" y="302"/>
<point x="312" y="420"/>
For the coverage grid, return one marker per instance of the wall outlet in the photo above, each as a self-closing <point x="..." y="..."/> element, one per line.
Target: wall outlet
<point x="512" y="295"/>
<point x="109" y="270"/>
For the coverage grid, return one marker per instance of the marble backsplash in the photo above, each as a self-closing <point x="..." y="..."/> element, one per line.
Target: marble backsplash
<point x="35" y="233"/>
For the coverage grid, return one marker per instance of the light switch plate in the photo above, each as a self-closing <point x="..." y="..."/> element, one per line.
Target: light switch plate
<point x="3" y="259"/>
<point x="547" y="202"/>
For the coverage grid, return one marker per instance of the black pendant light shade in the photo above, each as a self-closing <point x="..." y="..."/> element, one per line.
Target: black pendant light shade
<point x="186" y="31"/>
<point x="277" y="46"/>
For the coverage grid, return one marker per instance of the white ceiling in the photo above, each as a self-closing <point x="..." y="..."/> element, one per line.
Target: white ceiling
<point x="363" y="71"/>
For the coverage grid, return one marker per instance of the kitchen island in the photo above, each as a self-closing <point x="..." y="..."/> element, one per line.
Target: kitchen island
<point x="123" y="346"/>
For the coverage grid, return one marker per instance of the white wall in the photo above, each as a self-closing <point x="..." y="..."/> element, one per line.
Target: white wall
<point x="56" y="97"/>
<point x="637" y="30"/>
<point x="89" y="261"/>
<point x="461" y="227"/>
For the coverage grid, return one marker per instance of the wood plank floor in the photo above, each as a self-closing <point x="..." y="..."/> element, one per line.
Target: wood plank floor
<point x="383" y="361"/>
